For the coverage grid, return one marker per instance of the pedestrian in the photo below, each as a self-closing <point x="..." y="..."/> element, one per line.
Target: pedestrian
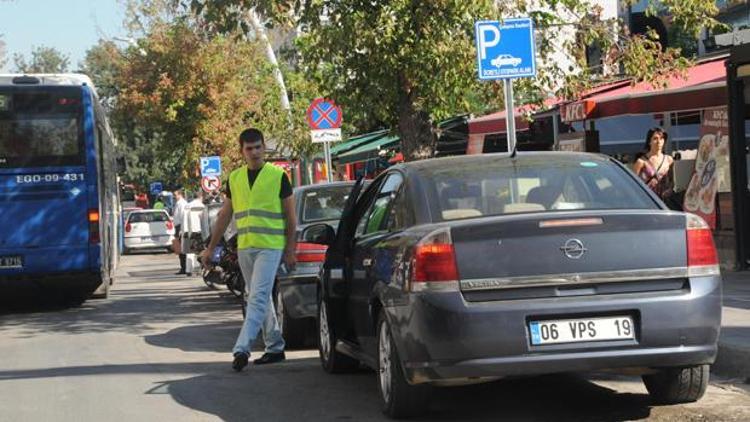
<point x="179" y="210"/>
<point x="159" y="204"/>
<point x="141" y="200"/>
<point x="654" y="167"/>
<point x="260" y="198"/>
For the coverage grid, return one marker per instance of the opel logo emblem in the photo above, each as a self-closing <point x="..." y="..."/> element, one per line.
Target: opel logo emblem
<point x="573" y="249"/>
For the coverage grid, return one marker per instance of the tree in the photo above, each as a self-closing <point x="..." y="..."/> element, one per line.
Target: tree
<point x="43" y="60"/>
<point x="180" y="91"/>
<point x="407" y="63"/>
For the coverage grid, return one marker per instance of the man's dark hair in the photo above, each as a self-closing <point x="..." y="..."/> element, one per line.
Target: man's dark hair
<point x="251" y="136"/>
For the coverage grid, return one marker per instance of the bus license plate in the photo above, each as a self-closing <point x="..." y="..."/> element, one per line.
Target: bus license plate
<point x="581" y="330"/>
<point x="11" y="262"/>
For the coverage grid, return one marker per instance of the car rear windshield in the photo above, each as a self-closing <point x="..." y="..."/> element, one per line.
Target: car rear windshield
<point x="534" y="184"/>
<point x="40" y="127"/>
<point x="148" y="217"/>
<point x="324" y="204"/>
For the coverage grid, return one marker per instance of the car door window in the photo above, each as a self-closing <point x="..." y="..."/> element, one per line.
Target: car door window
<point x="373" y="219"/>
<point x="399" y="215"/>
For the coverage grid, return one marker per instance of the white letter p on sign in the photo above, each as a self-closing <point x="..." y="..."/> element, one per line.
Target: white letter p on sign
<point x="484" y="41"/>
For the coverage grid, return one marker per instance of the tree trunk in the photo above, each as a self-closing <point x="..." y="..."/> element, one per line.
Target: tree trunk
<point x="414" y="126"/>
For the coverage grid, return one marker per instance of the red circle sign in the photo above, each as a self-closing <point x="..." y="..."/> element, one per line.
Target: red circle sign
<point x="211" y="184"/>
<point x="324" y="114"/>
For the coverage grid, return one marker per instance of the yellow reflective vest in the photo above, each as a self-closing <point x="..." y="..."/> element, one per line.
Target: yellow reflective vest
<point x="257" y="210"/>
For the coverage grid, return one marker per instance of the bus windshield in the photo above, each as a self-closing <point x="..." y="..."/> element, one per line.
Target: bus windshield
<point x="40" y="128"/>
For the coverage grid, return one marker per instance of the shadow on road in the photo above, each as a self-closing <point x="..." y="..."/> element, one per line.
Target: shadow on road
<point x="355" y="397"/>
<point x="298" y="389"/>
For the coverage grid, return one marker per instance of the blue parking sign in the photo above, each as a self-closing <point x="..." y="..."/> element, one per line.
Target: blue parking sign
<point x="505" y="49"/>
<point x="210" y="166"/>
<point x="156" y="188"/>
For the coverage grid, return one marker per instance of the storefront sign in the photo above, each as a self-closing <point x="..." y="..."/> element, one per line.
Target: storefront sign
<point x="574" y="112"/>
<point x="711" y="165"/>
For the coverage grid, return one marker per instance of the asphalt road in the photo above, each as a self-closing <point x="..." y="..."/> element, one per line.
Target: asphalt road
<point x="158" y="349"/>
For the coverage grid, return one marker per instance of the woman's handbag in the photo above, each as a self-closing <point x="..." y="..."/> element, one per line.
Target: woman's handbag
<point x="176" y="245"/>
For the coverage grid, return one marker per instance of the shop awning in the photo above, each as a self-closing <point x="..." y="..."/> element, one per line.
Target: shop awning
<point x="369" y="150"/>
<point x="356" y="141"/>
<point x="495" y="122"/>
<point x="705" y="86"/>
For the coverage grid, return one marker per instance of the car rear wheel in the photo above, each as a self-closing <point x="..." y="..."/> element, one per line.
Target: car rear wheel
<point x="677" y="385"/>
<point x="292" y="329"/>
<point x="400" y="399"/>
<point x="333" y="362"/>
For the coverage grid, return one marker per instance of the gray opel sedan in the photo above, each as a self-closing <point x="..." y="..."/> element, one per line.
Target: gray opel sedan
<point x="469" y="269"/>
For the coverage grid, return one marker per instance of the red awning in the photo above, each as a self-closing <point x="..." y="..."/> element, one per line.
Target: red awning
<point x="704" y="86"/>
<point x="495" y="122"/>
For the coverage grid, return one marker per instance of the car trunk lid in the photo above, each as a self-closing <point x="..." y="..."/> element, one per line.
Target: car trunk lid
<point x="545" y="248"/>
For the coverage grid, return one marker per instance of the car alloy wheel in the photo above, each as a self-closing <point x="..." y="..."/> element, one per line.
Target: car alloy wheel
<point x="325" y="336"/>
<point x="400" y="399"/>
<point x="384" y="361"/>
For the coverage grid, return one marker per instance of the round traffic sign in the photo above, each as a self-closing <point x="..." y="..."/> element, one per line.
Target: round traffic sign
<point x="324" y="114"/>
<point x="210" y="184"/>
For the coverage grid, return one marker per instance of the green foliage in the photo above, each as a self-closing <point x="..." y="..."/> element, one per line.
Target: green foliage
<point x="196" y="77"/>
<point x="179" y="92"/>
<point x="43" y="60"/>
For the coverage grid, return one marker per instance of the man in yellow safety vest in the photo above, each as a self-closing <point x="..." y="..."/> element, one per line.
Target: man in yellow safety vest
<point x="260" y="198"/>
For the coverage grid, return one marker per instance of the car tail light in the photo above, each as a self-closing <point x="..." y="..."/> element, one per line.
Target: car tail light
<point x="702" y="258"/>
<point x="128" y="228"/>
<point x="310" y="252"/>
<point x="170" y="226"/>
<point x="93" y="225"/>
<point x="434" y="263"/>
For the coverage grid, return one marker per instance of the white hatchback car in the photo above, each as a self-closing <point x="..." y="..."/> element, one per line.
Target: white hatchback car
<point x="148" y="229"/>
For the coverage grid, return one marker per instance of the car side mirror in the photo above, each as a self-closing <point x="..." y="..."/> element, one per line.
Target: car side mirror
<point x="322" y="234"/>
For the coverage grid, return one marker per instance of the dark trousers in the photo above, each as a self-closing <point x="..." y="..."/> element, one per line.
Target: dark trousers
<point x="178" y="230"/>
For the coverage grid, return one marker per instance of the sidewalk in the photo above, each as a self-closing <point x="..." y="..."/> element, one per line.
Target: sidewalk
<point x="734" y="343"/>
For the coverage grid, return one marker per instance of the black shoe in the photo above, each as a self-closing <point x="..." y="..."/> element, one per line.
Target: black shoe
<point x="240" y="361"/>
<point x="269" y="358"/>
<point x="181" y="272"/>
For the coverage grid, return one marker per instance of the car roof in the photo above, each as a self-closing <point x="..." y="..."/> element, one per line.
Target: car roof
<point x="323" y="186"/>
<point x="150" y="210"/>
<point x="528" y="158"/>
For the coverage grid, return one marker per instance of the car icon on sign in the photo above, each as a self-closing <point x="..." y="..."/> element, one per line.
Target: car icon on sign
<point x="505" y="60"/>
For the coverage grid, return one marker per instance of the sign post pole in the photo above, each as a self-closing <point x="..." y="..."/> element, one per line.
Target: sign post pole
<point x="510" y="120"/>
<point x="506" y="50"/>
<point x="329" y="171"/>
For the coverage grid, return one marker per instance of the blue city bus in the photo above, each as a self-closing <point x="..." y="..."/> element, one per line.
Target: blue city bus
<point x="58" y="187"/>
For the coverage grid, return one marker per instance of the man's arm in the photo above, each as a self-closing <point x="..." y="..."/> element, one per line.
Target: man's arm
<point x="222" y="221"/>
<point x="290" y="229"/>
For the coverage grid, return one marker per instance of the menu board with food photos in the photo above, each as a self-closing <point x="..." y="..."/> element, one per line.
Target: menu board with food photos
<point x="711" y="165"/>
